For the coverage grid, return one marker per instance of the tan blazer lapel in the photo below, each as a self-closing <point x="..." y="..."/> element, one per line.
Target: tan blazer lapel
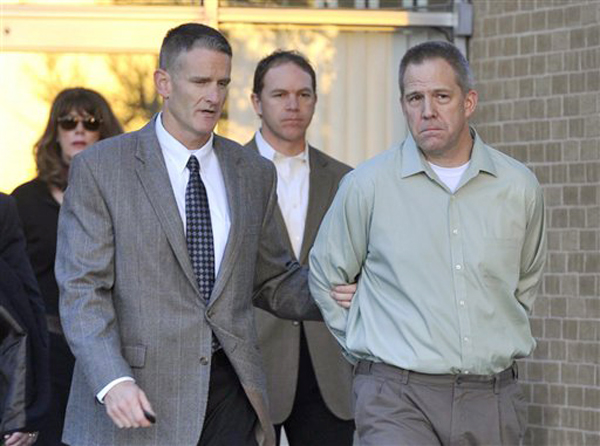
<point x="152" y="173"/>
<point x="230" y="164"/>
<point x="284" y="232"/>
<point x="322" y="187"/>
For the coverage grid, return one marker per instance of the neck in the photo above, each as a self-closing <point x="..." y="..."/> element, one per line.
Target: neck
<point x="287" y="148"/>
<point x="190" y="139"/>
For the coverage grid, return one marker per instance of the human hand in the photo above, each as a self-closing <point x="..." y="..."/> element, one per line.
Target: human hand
<point x="343" y="294"/>
<point x="20" y="438"/>
<point x="126" y="404"/>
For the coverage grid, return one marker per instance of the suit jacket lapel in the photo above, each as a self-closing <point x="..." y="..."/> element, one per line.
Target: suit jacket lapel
<point x="152" y="172"/>
<point x="229" y="162"/>
<point x="322" y="187"/>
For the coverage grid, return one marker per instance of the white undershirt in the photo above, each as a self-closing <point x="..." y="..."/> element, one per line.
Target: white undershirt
<point x="450" y="176"/>
<point x="176" y="156"/>
<point x="293" y="179"/>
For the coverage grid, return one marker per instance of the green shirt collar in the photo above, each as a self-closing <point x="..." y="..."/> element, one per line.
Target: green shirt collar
<point x="414" y="162"/>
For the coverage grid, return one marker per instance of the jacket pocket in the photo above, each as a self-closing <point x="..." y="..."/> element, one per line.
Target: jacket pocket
<point x="135" y="355"/>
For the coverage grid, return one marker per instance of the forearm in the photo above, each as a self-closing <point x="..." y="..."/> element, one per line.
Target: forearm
<point x="287" y="296"/>
<point x="338" y="253"/>
<point x="90" y="328"/>
<point x="533" y="253"/>
<point x="280" y="283"/>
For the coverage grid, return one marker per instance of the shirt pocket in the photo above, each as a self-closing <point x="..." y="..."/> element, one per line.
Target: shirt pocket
<point x="501" y="261"/>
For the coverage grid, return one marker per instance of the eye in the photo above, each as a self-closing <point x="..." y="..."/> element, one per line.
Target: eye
<point x="223" y="84"/>
<point x="414" y="98"/>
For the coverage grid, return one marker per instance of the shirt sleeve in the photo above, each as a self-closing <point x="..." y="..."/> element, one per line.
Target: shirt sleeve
<point x="339" y="252"/>
<point x="100" y="395"/>
<point x="533" y="253"/>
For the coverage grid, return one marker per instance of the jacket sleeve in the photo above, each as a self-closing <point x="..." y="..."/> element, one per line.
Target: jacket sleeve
<point x="85" y="273"/>
<point x="280" y="283"/>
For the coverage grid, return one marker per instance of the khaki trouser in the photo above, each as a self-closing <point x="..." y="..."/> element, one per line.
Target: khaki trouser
<point x="398" y="407"/>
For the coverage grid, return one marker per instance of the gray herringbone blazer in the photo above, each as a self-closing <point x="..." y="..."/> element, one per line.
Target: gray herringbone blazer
<point x="279" y="339"/>
<point x="129" y="301"/>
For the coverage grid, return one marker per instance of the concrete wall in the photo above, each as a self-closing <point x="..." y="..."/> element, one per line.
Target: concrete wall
<point x="537" y="64"/>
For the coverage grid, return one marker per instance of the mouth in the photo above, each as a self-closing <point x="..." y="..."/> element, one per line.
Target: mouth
<point x="209" y="113"/>
<point x="292" y="121"/>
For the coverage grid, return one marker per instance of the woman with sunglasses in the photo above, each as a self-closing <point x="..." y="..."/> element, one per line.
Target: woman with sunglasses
<point x="78" y="118"/>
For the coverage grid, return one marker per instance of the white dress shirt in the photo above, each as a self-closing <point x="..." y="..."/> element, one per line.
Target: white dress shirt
<point x="176" y="156"/>
<point x="293" y="179"/>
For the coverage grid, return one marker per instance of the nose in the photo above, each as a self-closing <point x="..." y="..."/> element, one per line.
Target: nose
<point x="212" y="95"/>
<point x="292" y="102"/>
<point x="429" y="110"/>
<point x="79" y="128"/>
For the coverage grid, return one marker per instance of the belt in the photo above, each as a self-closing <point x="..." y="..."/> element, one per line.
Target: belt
<point x="469" y="380"/>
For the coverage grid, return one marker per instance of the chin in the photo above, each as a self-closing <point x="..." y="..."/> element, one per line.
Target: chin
<point x="293" y="135"/>
<point x="430" y="144"/>
<point x="202" y="130"/>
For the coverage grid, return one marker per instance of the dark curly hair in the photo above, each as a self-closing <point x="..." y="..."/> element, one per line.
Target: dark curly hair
<point x="51" y="167"/>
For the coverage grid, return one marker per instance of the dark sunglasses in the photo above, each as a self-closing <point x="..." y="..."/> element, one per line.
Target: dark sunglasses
<point x="69" y="123"/>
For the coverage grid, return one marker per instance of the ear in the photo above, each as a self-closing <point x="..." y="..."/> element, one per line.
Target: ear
<point x="470" y="102"/>
<point x="402" y="106"/>
<point x="256" y="104"/>
<point x="162" y="82"/>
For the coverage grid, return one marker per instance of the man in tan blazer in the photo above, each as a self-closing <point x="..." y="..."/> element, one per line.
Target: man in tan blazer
<point x="166" y="237"/>
<point x="308" y="380"/>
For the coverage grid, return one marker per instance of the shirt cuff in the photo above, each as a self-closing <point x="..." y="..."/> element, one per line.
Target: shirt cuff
<point x="100" y="395"/>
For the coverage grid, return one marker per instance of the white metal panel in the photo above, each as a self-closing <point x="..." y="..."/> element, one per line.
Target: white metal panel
<point x="114" y="28"/>
<point x="52" y="28"/>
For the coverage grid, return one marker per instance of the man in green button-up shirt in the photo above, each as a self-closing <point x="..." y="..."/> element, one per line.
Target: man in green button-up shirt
<point x="447" y="239"/>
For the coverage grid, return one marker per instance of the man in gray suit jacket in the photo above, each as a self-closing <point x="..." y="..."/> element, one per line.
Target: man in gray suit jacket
<point x="308" y="380"/>
<point x="166" y="236"/>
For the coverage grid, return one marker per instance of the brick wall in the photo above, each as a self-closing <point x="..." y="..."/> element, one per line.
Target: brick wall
<point x="537" y="64"/>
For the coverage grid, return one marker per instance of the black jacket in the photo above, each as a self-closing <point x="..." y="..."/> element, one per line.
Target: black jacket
<point x="24" y="375"/>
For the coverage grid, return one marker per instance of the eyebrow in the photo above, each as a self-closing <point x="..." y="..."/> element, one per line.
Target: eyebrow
<point x="283" y="90"/>
<point x="435" y="90"/>
<point x="209" y="79"/>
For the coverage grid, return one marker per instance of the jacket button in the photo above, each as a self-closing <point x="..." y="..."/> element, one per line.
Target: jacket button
<point x="295" y="323"/>
<point x="204" y="360"/>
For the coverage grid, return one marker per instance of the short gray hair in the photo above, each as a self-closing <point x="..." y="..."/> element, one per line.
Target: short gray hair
<point x="438" y="50"/>
<point x="187" y="36"/>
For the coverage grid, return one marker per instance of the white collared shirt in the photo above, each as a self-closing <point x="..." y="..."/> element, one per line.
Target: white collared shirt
<point x="293" y="179"/>
<point x="176" y="156"/>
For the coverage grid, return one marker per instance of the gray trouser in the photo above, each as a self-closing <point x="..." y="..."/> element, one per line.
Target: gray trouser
<point x="396" y="407"/>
